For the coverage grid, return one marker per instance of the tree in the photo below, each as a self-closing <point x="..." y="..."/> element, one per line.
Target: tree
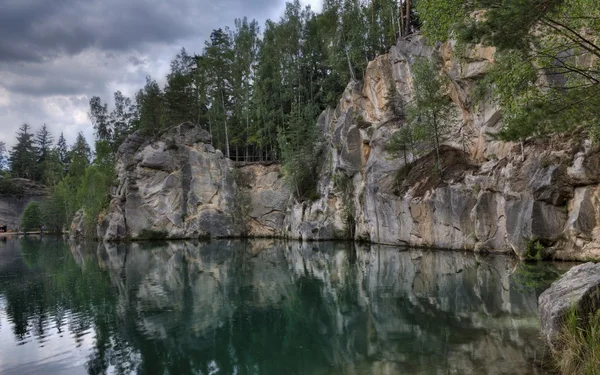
<point x="123" y="120"/>
<point x="100" y="120"/>
<point x="431" y="112"/>
<point x="80" y="156"/>
<point x="23" y="154"/>
<point x="547" y="75"/>
<point x="150" y="101"/>
<point x="219" y="55"/>
<point x="31" y="219"/>
<point x="43" y="147"/>
<point x="179" y="93"/>
<point x="63" y="150"/>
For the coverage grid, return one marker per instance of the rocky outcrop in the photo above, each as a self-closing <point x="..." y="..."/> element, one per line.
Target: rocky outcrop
<point x="19" y="193"/>
<point x="578" y="289"/>
<point x="175" y="185"/>
<point x="536" y="199"/>
<point x="77" y="230"/>
<point x="540" y="198"/>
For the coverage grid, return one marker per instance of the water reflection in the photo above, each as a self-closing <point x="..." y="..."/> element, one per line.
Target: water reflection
<point x="264" y="307"/>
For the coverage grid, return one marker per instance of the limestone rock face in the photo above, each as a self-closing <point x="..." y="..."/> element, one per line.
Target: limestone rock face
<point x="176" y="184"/>
<point x="579" y="288"/>
<point x="490" y="195"/>
<point x="77" y="231"/>
<point x="265" y="198"/>
<point x="12" y="206"/>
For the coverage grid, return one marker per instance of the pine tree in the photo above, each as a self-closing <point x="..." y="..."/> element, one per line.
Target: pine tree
<point x="80" y="156"/>
<point x="63" y="150"/>
<point x="43" y="146"/>
<point x="150" y="101"/>
<point x="23" y="154"/>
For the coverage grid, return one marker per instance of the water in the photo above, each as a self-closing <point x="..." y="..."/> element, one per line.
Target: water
<point x="265" y="307"/>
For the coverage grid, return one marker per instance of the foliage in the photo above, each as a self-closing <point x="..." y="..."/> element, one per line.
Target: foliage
<point x="431" y="113"/>
<point x="23" y="154"/>
<point x="579" y="343"/>
<point x="440" y="17"/>
<point x="536" y="276"/>
<point x="547" y="74"/>
<point x="533" y="250"/>
<point x="8" y="187"/>
<point x="299" y="148"/>
<point x="32" y="217"/>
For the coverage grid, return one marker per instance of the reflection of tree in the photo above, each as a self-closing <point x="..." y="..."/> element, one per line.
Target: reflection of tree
<point x="184" y="307"/>
<point x="52" y="290"/>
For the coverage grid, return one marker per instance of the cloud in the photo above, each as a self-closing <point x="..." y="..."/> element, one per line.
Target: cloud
<point x="56" y="54"/>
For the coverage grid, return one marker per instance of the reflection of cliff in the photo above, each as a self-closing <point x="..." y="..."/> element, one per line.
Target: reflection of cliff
<point x="321" y="308"/>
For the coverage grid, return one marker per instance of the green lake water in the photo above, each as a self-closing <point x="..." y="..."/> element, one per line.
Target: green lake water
<point x="265" y="307"/>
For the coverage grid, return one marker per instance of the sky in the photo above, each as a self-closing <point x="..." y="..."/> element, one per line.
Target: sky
<point x="56" y="54"/>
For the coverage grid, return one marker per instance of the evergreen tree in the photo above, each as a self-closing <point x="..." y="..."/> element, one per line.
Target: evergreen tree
<point x="150" y="101"/>
<point x="23" y="154"/>
<point x="80" y="156"/>
<point x="43" y="146"/>
<point x="179" y="93"/>
<point x="63" y="150"/>
<point x="219" y="55"/>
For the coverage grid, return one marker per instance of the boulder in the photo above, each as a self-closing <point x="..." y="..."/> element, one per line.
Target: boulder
<point x="579" y="288"/>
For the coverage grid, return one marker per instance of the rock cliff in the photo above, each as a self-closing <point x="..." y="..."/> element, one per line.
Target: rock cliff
<point x="536" y="199"/>
<point x="175" y="185"/>
<point x="12" y="204"/>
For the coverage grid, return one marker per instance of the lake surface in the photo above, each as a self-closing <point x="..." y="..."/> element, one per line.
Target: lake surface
<point x="265" y="307"/>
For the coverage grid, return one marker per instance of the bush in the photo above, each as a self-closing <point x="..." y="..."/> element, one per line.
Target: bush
<point x="31" y="219"/>
<point x="579" y="344"/>
<point x="8" y="187"/>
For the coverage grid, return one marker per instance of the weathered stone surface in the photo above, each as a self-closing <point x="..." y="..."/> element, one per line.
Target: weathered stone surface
<point x="12" y="206"/>
<point x="77" y="231"/>
<point x="490" y="195"/>
<point x="579" y="288"/>
<point x="172" y="183"/>
<point x="267" y="199"/>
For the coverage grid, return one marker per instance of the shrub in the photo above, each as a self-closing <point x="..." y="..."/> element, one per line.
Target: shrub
<point x="578" y="349"/>
<point x="31" y="219"/>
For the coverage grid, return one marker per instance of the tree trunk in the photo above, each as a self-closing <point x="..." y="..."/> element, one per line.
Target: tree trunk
<point x="401" y="26"/>
<point x="407" y="17"/>
<point x="437" y="145"/>
<point x="350" y="65"/>
<point x="225" y="122"/>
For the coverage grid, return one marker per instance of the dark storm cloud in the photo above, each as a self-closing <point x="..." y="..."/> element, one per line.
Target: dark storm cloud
<point x="56" y="54"/>
<point x="40" y="30"/>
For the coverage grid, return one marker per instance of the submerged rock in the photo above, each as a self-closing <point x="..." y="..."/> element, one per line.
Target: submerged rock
<point x="579" y="289"/>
